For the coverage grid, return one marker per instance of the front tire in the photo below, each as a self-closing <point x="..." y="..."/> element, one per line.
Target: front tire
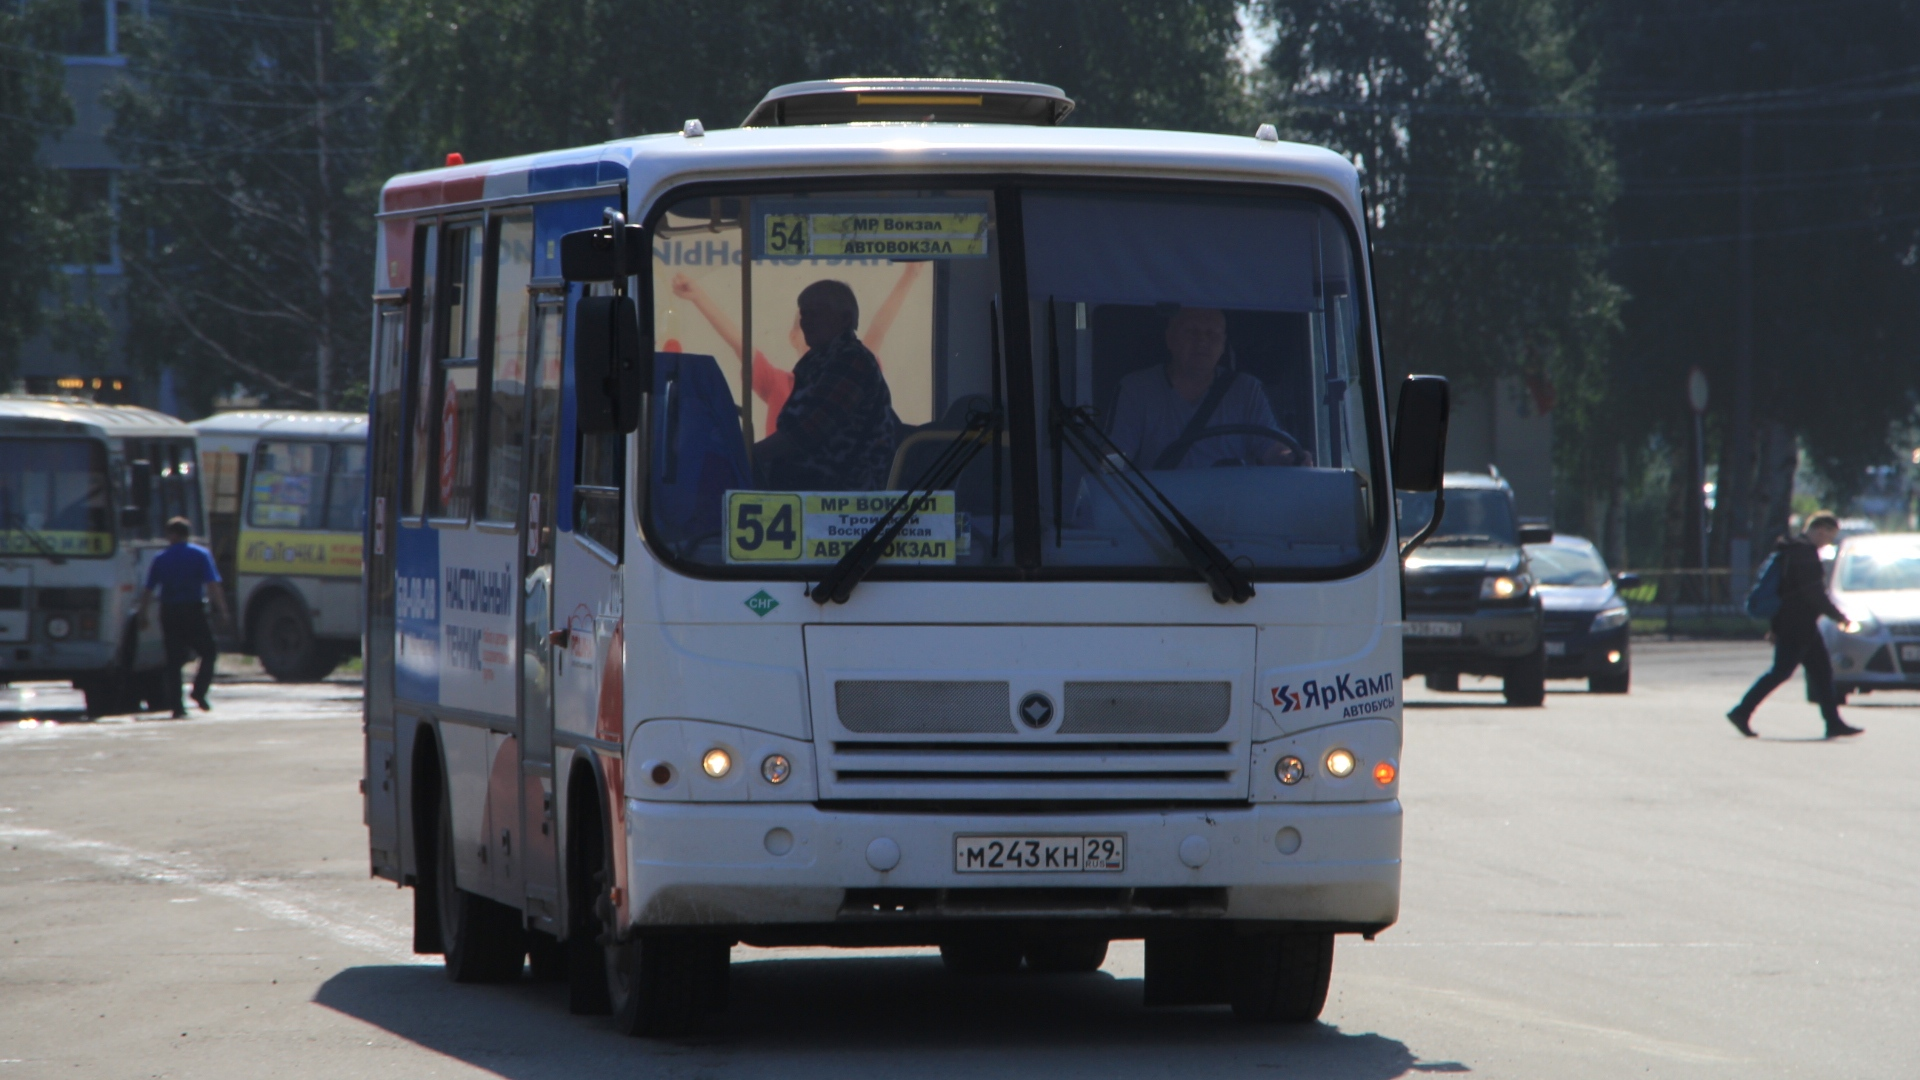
<point x="1525" y="684"/>
<point x="663" y="985"/>
<point x="1447" y="681"/>
<point x="1282" y="979"/>
<point x="1613" y="682"/>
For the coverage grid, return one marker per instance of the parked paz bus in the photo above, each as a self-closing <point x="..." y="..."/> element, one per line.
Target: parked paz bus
<point x="897" y="521"/>
<point x="286" y="503"/>
<point x="85" y="493"/>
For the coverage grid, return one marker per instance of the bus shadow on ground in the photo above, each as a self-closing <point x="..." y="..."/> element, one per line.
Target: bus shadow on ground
<point x="865" y="1016"/>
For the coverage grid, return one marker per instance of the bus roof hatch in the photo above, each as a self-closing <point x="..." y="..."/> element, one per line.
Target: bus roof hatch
<point x="953" y="101"/>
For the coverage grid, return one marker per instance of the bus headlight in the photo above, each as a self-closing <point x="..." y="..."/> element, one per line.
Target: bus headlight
<point x="776" y="768"/>
<point x="1289" y="770"/>
<point x="1612" y="618"/>
<point x="58" y="627"/>
<point x="1865" y="624"/>
<point x="717" y="763"/>
<point x="1340" y="763"/>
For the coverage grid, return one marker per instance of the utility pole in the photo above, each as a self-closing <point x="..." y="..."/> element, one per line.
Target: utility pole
<point x="1737" y="489"/>
<point x="323" y="338"/>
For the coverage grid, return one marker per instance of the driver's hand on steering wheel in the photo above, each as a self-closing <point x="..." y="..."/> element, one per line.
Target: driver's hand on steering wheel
<point x="1282" y="454"/>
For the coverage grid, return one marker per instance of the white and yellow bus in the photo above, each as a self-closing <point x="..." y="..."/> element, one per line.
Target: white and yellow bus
<point x="286" y="499"/>
<point x="680" y="636"/>
<point x="85" y="492"/>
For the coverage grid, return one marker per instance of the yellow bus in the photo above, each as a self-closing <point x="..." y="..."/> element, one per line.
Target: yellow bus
<point x="286" y="500"/>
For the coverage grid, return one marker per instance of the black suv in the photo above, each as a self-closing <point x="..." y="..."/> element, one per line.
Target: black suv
<point x="1471" y="604"/>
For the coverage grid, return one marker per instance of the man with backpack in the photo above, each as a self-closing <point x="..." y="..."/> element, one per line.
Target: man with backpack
<point x="1793" y="584"/>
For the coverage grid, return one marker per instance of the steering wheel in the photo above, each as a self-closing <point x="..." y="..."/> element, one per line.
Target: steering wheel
<point x="1178" y="450"/>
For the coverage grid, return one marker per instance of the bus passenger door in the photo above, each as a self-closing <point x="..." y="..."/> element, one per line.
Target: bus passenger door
<point x="539" y="820"/>
<point x="382" y="782"/>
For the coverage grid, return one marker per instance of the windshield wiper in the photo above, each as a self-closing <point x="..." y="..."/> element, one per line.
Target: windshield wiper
<point x="865" y="553"/>
<point x="1092" y="447"/>
<point x="18" y="523"/>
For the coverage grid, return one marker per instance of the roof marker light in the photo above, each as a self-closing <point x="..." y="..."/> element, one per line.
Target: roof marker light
<point x="693" y="129"/>
<point x="1267" y="133"/>
<point x="456" y="158"/>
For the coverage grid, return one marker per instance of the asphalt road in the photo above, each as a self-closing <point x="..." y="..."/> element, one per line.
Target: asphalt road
<point x="1603" y="887"/>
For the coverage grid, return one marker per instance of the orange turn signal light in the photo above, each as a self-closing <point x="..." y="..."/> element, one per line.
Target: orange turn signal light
<point x="1384" y="773"/>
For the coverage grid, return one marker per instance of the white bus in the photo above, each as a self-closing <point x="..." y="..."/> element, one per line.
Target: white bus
<point x="286" y="497"/>
<point x="85" y="491"/>
<point x="663" y="658"/>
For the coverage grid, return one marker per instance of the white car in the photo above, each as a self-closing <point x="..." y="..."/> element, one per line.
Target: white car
<point x="1876" y="583"/>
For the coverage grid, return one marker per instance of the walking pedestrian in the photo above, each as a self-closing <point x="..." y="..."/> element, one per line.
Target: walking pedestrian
<point x="185" y="576"/>
<point x="1796" y="628"/>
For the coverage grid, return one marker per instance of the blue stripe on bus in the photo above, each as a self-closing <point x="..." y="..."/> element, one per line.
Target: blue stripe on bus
<point x="551" y="220"/>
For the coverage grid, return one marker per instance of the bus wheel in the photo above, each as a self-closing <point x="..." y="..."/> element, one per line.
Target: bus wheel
<point x="665" y="984"/>
<point x="483" y="940"/>
<point x="979" y="953"/>
<point x="1068" y="954"/>
<point x="109" y="697"/>
<point x="546" y="957"/>
<point x="1448" y="681"/>
<point x="284" y="641"/>
<point x="1282" y="979"/>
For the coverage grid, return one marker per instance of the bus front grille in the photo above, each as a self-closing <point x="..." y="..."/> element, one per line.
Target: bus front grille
<point x="923" y="706"/>
<point x="1038" y="767"/>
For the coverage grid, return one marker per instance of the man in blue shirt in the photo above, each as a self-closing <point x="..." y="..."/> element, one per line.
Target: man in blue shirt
<point x="181" y="573"/>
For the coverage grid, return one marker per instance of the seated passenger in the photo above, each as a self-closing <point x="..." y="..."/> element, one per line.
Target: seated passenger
<point x="837" y="430"/>
<point x="1158" y="405"/>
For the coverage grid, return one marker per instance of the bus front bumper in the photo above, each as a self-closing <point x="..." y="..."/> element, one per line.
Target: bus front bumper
<point x="783" y="864"/>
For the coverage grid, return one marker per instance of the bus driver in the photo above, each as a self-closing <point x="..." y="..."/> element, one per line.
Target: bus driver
<point x="1159" y="405"/>
<point x="837" y="430"/>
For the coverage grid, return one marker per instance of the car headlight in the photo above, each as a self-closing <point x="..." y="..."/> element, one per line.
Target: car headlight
<point x="1612" y="618"/>
<point x="1505" y="586"/>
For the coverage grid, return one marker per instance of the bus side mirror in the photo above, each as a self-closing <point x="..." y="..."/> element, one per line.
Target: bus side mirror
<point x="1536" y="534"/>
<point x="609" y="370"/>
<point x="609" y="253"/>
<point x="1625" y="581"/>
<point x="1420" y="434"/>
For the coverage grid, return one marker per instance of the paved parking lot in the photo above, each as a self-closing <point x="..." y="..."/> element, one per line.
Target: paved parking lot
<point x="1603" y="887"/>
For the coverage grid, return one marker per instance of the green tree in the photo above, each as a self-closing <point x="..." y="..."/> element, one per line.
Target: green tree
<point x="1804" y="115"/>
<point x="246" y="224"/>
<point x="478" y="76"/>
<point x="33" y="108"/>
<point x="1487" y="187"/>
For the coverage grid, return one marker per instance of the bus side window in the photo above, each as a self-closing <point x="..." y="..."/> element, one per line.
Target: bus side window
<point x="458" y="404"/>
<point x="506" y="422"/>
<point x="596" y="489"/>
<point x="347" y="488"/>
<point x="288" y="487"/>
<point x="420" y="403"/>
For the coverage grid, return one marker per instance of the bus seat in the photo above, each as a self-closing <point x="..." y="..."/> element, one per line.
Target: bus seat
<point x="697" y="445"/>
<point x="973" y="489"/>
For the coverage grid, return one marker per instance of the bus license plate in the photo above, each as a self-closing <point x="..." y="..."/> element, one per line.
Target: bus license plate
<point x="1038" y="854"/>
<point x="1433" y="629"/>
<point x="1909" y="653"/>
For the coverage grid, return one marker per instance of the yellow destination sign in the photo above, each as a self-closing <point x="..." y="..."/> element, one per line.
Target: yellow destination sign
<point x="800" y="528"/>
<point x="882" y="234"/>
<point x="318" y="553"/>
<point x="55" y="542"/>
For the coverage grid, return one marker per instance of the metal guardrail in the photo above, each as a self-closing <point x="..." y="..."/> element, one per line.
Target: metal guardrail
<point x="1692" y="603"/>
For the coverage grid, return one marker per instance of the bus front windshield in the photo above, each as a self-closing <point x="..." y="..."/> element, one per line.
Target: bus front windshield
<point x="821" y="353"/>
<point x="54" y="498"/>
